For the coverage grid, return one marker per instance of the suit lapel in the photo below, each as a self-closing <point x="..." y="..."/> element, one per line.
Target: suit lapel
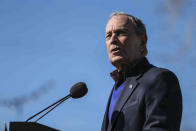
<point x="131" y="84"/>
<point x="132" y="74"/>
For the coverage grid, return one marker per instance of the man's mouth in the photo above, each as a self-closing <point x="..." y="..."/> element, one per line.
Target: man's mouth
<point x="115" y="50"/>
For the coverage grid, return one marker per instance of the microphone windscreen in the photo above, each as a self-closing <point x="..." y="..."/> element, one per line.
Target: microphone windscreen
<point x="78" y="90"/>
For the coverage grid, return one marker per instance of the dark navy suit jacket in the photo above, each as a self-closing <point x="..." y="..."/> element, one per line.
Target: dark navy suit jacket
<point x="151" y="100"/>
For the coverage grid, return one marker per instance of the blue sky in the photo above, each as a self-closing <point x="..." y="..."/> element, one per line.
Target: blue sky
<point x="56" y="43"/>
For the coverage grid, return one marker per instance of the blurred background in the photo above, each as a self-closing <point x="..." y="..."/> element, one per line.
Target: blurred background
<point x="46" y="46"/>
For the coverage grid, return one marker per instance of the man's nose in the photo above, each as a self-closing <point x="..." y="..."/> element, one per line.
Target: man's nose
<point x="114" y="39"/>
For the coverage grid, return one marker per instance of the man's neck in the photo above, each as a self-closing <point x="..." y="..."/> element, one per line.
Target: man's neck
<point x="124" y="66"/>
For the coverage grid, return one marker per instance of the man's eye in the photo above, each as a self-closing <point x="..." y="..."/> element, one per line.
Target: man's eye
<point x="108" y="36"/>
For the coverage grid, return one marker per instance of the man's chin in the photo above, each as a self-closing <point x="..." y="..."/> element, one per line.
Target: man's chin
<point x="117" y="62"/>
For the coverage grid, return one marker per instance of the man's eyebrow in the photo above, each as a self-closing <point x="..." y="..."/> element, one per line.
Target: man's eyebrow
<point x="107" y="32"/>
<point x="120" y="29"/>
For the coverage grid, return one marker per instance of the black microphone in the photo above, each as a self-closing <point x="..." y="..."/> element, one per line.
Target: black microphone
<point x="77" y="91"/>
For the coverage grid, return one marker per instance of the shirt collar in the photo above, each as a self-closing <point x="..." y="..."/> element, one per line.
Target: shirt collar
<point x="134" y="68"/>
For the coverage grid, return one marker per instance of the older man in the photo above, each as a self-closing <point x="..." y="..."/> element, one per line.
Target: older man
<point x="144" y="97"/>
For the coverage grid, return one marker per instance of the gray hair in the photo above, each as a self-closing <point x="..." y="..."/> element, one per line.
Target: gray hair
<point x="138" y="25"/>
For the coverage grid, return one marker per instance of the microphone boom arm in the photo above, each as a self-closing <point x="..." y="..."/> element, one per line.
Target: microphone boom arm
<point x="54" y="104"/>
<point x="78" y="90"/>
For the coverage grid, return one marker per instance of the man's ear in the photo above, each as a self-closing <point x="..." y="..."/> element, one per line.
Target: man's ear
<point x="143" y="40"/>
<point x="143" y="49"/>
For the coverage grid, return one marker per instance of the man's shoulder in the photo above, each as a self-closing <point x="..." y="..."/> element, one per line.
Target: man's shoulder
<point x="159" y="79"/>
<point x="155" y="73"/>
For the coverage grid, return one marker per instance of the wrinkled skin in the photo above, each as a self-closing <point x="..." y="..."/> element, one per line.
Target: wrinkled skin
<point x="122" y="42"/>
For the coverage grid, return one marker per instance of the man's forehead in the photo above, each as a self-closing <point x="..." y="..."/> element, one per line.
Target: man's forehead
<point x="120" y="21"/>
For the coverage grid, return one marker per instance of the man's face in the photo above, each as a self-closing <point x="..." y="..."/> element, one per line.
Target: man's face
<point x="121" y="41"/>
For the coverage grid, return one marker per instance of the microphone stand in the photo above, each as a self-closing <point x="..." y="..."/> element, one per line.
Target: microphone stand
<point x="54" y="104"/>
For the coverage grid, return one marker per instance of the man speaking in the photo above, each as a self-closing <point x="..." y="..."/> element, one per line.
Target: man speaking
<point x="144" y="97"/>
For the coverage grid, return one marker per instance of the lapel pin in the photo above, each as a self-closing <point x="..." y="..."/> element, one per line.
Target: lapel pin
<point x="130" y="86"/>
